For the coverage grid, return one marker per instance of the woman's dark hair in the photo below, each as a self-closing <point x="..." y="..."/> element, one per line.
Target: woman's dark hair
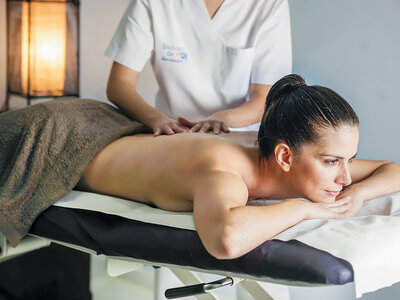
<point x="295" y="111"/>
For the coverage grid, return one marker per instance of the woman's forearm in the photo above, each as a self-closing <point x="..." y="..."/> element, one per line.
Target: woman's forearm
<point x="385" y="180"/>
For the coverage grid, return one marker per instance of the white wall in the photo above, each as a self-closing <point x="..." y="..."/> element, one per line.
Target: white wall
<point x="99" y="19"/>
<point x="354" y="47"/>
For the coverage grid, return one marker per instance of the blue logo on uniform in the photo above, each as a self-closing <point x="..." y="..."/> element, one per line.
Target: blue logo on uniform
<point x="173" y="53"/>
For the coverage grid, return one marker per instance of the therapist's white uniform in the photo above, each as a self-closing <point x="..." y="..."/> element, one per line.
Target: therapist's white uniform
<point x="205" y="65"/>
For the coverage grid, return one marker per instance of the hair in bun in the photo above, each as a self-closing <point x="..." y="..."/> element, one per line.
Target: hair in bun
<point x="295" y="111"/>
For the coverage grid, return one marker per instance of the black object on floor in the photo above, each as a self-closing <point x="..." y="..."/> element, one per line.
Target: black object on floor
<point x="54" y="273"/>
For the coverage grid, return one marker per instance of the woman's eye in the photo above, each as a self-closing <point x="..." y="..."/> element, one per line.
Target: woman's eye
<point x="350" y="160"/>
<point x="332" y="162"/>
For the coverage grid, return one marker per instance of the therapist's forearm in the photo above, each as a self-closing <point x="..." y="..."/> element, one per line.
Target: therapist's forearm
<point x="124" y="95"/>
<point x="249" y="112"/>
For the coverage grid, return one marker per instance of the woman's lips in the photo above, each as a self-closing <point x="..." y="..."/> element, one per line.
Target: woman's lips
<point x="333" y="193"/>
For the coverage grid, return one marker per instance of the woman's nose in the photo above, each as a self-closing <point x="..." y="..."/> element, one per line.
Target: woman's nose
<point x="344" y="177"/>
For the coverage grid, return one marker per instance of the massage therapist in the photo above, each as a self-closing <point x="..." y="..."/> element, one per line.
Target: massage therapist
<point x="214" y="61"/>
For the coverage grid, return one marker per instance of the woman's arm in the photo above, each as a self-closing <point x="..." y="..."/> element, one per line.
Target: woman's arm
<point x="229" y="229"/>
<point x="122" y="92"/>
<point x="370" y="179"/>
<point x="375" y="178"/>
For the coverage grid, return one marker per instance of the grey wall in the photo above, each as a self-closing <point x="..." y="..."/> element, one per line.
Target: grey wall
<point x="354" y="48"/>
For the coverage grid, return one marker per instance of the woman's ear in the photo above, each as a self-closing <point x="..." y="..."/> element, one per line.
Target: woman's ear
<point x="284" y="156"/>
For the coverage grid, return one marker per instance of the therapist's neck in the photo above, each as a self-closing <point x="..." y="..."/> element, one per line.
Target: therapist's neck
<point x="213" y="6"/>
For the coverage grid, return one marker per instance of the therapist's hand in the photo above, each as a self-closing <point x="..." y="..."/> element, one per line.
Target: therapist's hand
<point x="168" y="126"/>
<point x="213" y="123"/>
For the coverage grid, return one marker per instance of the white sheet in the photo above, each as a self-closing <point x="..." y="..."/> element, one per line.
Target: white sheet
<point x="127" y="209"/>
<point x="370" y="241"/>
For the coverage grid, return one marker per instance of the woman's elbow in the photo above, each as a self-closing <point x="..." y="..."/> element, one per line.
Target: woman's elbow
<point x="395" y="165"/>
<point x="225" y="246"/>
<point x="390" y="166"/>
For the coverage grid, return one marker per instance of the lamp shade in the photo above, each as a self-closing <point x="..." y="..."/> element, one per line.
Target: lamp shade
<point x="42" y="45"/>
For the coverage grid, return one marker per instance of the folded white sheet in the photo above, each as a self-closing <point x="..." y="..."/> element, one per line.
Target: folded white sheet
<point x="127" y="209"/>
<point x="370" y="241"/>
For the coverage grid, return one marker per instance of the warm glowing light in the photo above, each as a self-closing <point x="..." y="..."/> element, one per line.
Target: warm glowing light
<point x="42" y="48"/>
<point x="50" y="52"/>
<point x="44" y="38"/>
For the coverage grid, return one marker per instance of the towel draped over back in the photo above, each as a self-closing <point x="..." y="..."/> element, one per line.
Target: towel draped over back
<point x="45" y="148"/>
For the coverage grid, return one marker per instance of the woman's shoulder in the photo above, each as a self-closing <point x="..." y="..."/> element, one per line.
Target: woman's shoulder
<point x="224" y="154"/>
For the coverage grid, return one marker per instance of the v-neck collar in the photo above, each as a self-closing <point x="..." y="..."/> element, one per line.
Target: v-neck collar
<point x="216" y="14"/>
<point x="203" y="23"/>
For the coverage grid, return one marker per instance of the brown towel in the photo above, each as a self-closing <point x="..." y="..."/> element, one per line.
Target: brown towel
<point x="44" y="149"/>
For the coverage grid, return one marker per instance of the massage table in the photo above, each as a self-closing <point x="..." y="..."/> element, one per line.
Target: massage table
<point x="45" y="148"/>
<point x="133" y="235"/>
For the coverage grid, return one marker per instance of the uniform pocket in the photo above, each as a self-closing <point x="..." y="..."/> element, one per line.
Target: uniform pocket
<point x="236" y="71"/>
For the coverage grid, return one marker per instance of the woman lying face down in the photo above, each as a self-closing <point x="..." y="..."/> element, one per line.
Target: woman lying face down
<point x="306" y="147"/>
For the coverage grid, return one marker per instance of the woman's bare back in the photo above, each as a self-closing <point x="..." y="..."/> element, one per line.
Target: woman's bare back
<point x="163" y="171"/>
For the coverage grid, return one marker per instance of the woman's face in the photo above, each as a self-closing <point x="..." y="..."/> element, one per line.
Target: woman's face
<point x="320" y="171"/>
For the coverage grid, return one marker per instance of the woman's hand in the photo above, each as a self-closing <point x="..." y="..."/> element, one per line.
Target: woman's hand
<point x="168" y="126"/>
<point x="356" y="199"/>
<point x="338" y="209"/>
<point x="212" y="123"/>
